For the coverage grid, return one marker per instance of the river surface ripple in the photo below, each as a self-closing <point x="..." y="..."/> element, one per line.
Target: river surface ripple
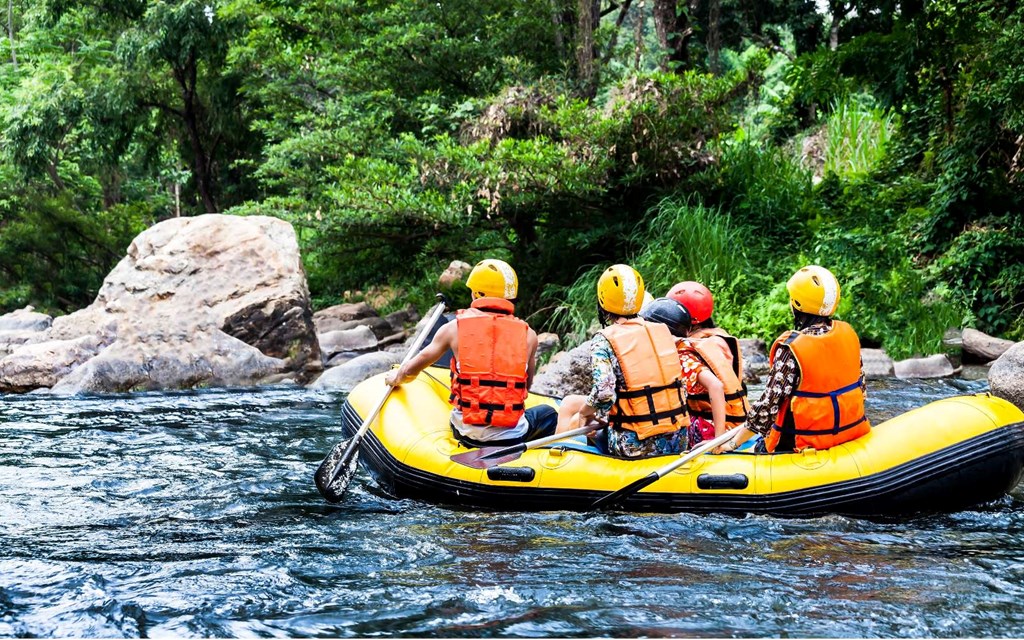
<point x="194" y="514"/>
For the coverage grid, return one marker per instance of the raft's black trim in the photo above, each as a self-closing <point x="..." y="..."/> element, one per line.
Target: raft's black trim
<point x="965" y="474"/>
<point x="511" y="474"/>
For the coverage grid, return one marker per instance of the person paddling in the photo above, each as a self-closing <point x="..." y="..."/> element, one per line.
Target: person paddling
<point x="495" y="360"/>
<point x="815" y="392"/>
<point x="637" y="380"/>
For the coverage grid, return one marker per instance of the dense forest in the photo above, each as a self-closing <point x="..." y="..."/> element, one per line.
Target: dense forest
<point x="727" y="141"/>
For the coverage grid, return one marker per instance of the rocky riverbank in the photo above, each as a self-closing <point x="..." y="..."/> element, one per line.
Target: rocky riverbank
<point x="219" y="300"/>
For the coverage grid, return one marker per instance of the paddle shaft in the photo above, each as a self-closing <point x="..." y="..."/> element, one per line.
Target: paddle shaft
<point x="353" y="445"/>
<point x="616" y="497"/>
<point x="539" y="442"/>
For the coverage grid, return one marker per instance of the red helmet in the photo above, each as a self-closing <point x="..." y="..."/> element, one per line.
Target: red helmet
<point x="695" y="297"/>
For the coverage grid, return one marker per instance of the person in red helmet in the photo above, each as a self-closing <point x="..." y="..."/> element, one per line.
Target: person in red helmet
<point x="717" y="350"/>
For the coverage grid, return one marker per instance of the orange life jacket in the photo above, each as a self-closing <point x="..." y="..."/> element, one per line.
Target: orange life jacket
<point x="652" y="401"/>
<point x="489" y="371"/>
<point x="827" y="407"/>
<point x="727" y="369"/>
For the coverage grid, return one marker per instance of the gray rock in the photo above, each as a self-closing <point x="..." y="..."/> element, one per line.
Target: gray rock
<point x="161" y="361"/>
<point x="399" y="319"/>
<point x="11" y="340"/>
<point x="566" y="374"/>
<point x="357" y="339"/>
<point x="456" y="272"/>
<point x="26" y="319"/>
<point x="547" y="343"/>
<point x="877" y="364"/>
<point x="328" y="319"/>
<point x="184" y="282"/>
<point x="984" y="347"/>
<point x="347" y="376"/>
<point x="1006" y="376"/>
<point x="934" y="366"/>
<point x="380" y="327"/>
<point x="44" y="364"/>
<point x="755" y="359"/>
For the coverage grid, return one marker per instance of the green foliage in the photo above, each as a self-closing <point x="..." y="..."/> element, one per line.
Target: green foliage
<point x="857" y="137"/>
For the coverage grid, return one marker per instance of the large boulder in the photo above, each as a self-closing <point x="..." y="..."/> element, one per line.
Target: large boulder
<point x="981" y="347"/>
<point x="566" y="373"/>
<point x="193" y="298"/>
<point x="346" y="376"/>
<point x="1006" y="376"/>
<point x="934" y="366"/>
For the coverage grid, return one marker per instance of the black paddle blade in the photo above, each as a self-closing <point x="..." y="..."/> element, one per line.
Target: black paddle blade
<point x="487" y="457"/>
<point x="615" y="498"/>
<point x="335" y="472"/>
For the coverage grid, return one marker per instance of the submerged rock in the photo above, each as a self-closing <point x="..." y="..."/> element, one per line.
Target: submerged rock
<point x="1006" y="376"/>
<point x="209" y="300"/>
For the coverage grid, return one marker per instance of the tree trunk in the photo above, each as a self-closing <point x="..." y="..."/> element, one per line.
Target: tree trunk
<point x="192" y="114"/>
<point x="638" y="47"/>
<point x="589" y="15"/>
<point x="838" y="11"/>
<point x="714" y="36"/>
<point x="10" y="32"/>
<point x="610" y="50"/>
<point x="556" y="20"/>
<point x="673" y="29"/>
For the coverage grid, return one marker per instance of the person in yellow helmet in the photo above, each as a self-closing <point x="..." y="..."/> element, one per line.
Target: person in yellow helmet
<point x="815" y="392"/>
<point x="637" y="386"/>
<point x="493" y="364"/>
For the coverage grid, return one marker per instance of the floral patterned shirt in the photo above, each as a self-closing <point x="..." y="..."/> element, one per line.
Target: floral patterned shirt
<point x="783" y="378"/>
<point x="607" y="374"/>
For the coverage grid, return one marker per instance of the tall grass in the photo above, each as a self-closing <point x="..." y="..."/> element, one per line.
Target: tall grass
<point x="682" y="239"/>
<point x="856" y="137"/>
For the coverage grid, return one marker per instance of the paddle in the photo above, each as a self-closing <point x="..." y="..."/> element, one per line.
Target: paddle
<point x="336" y="471"/>
<point x="487" y="457"/>
<point x="616" y="497"/>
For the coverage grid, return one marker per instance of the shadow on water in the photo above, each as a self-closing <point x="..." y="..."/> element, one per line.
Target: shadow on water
<point x="194" y="514"/>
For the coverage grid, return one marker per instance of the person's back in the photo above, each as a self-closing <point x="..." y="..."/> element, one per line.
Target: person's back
<point x="492" y="367"/>
<point x="827" y="406"/>
<point x="717" y="350"/>
<point x="815" y="392"/>
<point x="637" y="388"/>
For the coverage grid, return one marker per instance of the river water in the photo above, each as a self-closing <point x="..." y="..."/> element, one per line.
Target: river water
<point x="194" y="514"/>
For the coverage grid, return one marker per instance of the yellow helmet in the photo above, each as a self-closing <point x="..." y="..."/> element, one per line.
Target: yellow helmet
<point x="493" y="279"/>
<point x="814" y="290"/>
<point x="620" y="290"/>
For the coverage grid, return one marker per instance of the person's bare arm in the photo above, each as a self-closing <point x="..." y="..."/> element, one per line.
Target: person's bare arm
<point x="443" y="340"/>
<point x="716" y="391"/>
<point x="531" y="360"/>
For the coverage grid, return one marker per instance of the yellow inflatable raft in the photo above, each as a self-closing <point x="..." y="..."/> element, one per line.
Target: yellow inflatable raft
<point x="948" y="455"/>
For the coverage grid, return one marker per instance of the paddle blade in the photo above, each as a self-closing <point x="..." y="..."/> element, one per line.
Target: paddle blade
<point x="613" y="499"/>
<point x="487" y="457"/>
<point x="335" y="472"/>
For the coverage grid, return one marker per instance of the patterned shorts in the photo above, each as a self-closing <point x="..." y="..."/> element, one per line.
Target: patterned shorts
<point x="625" y="443"/>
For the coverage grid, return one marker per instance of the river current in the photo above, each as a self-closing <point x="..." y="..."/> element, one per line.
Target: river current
<point x="194" y="514"/>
